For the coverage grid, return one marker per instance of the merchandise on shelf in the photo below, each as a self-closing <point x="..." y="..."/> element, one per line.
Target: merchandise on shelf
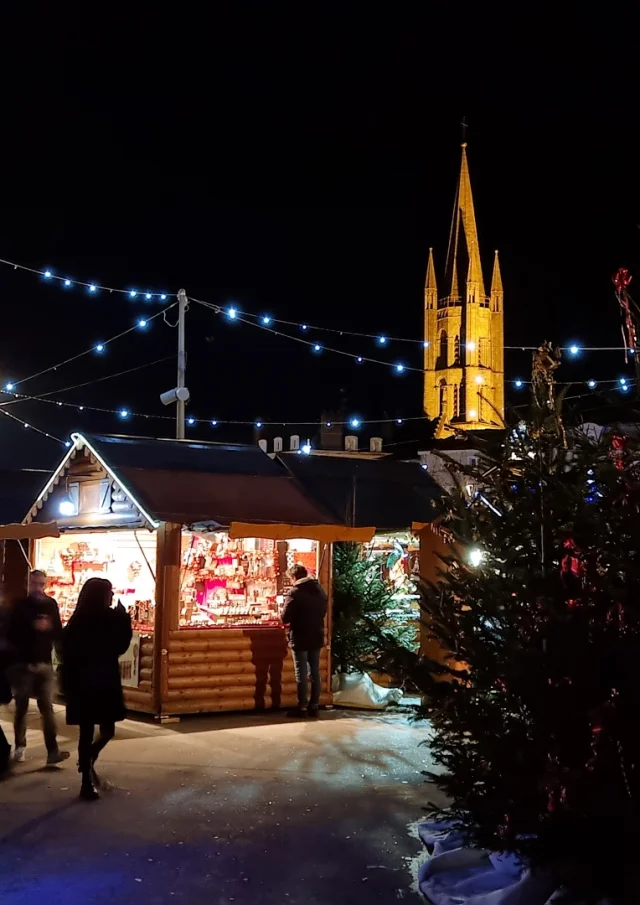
<point x="235" y="583"/>
<point x="126" y="558"/>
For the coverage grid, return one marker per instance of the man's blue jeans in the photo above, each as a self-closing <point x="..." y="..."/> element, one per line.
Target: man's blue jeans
<point x="307" y="663"/>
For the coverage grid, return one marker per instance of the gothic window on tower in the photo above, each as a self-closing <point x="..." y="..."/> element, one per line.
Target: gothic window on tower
<point x="456" y="401"/>
<point x="483" y="353"/>
<point x="443" y="360"/>
<point x="456" y="350"/>
<point x="443" y="397"/>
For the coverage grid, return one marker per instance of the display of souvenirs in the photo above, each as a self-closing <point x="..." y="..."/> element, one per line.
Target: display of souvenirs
<point x="71" y="559"/>
<point x="228" y="582"/>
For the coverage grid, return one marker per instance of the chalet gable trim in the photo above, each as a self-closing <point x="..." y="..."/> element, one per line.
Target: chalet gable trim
<point x="81" y="444"/>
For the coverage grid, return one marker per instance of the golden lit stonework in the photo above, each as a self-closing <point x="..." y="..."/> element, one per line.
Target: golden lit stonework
<point x="464" y="335"/>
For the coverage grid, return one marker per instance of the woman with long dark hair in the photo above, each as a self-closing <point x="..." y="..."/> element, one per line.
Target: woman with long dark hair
<point x="94" y="638"/>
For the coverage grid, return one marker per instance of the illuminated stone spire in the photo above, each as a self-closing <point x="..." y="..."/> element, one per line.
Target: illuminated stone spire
<point x="463" y="255"/>
<point x="464" y="346"/>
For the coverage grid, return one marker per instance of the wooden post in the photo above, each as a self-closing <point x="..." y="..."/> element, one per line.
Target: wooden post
<point x="169" y="539"/>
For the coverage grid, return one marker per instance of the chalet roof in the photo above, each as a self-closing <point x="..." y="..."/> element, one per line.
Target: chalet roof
<point x="384" y="492"/>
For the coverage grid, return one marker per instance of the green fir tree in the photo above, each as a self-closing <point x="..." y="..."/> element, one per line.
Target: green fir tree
<point x="365" y="634"/>
<point x="536" y="736"/>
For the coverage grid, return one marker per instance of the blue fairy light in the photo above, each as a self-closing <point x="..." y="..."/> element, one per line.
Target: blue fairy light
<point x="124" y="413"/>
<point x="191" y="420"/>
<point x="359" y="359"/>
<point x="142" y="322"/>
<point x="100" y="347"/>
<point x="67" y="283"/>
<point x="574" y="349"/>
<point x="317" y="348"/>
<point x="148" y="296"/>
<point x="518" y="383"/>
<point x="132" y="293"/>
<point x="399" y="368"/>
<point x="164" y="296"/>
<point x="266" y="319"/>
<point x="233" y="313"/>
<point x="355" y="422"/>
<point x="382" y="340"/>
<point x="47" y="274"/>
<point x="214" y="423"/>
<point x="258" y="424"/>
<point x="304" y="327"/>
<point x="93" y="287"/>
<point x="592" y="384"/>
<point x="9" y="387"/>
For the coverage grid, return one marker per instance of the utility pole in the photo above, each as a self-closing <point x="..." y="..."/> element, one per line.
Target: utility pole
<point x="179" y="394"/>
<point x="182" y="365"/>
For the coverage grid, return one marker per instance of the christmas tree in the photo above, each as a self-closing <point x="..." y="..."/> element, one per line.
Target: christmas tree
<point x="365" y="634"/>
<point x="537" y="731"/>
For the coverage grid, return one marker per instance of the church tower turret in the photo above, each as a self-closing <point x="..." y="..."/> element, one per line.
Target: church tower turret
<point x="464" y="345"/>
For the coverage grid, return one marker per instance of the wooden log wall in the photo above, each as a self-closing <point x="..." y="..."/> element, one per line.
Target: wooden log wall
<point x="233" y="669"/>
<point x="141" y="698"/>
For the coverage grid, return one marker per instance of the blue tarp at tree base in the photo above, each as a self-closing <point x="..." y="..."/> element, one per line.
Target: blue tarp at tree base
<point x="458" y="875"/>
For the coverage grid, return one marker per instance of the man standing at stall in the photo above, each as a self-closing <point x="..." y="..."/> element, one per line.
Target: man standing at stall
<point x="304" y="613"/>
<point x="32" y="630"/>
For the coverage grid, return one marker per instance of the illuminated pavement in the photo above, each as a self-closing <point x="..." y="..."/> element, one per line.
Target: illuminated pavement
<point x="243" y="809"/>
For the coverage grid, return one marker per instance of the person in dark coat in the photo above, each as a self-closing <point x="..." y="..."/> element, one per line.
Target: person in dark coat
<point x="95" y="637"/>
<point x="304" y="612"/>
<point x="33" y="629"/>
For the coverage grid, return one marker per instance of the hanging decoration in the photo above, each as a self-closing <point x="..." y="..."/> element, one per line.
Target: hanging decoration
<point x="630" y="314"/>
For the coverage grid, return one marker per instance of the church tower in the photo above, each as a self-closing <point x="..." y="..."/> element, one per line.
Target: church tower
<point x="464" y="335"/>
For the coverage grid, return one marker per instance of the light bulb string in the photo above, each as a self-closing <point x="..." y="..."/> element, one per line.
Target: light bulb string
<point x="162" y="296"/>
<point x="92" y="286"/>
<point x="32" y="427"/>
<point x="43" y="396"/>
<point x="573" y="348"/>
<point x="398" y="366"/>
<point x="352" y="422"/>
<point x="96" y="346"/>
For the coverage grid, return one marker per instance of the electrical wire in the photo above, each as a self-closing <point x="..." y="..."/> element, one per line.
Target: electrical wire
<point x="92" y="287"/>
<point x="97" y="347"/>
<point x="43" y="396"/>
<point x="29" y="426"/>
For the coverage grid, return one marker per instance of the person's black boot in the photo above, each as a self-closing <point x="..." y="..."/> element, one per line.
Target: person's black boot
<point x="298" y="713"/>
<point x="312" y="712"/>
<point x="88" y="791"/>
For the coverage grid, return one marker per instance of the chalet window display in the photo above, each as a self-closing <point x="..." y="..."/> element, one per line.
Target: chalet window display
<point x="126" y="558"/>
<point x="227" y="583"/>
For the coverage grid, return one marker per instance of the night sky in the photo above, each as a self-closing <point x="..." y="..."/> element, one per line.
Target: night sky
<point x="299" y="161"/>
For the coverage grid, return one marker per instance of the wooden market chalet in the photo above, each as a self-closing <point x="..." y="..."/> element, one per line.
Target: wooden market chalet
<point x="197" y="539"/>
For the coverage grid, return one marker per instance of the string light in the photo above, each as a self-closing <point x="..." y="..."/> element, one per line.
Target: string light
<point x="91" y="286"/>
<point x="471" y="346"/>
<point x="382" y="340"/>
<point x="266" y="320"/>
<point x="306" y="449"/>
<point x="214" y="423"/>
<point x="124" y="413"/>
<point x="592" y="384"/>
<point x="518" y="383"/>
<point x="399" y="368"/>
<point x="9" y="387"/>
<point x="232" y="312"/>
<point x="191" y="420"/>
<point x="355" y="422"/>
<point x="317" y="348"/>
<point x="36" y="429"/>
<point x="100" y="347"/>
<point x="48" y="274"/>
<point x="142" y="322"/>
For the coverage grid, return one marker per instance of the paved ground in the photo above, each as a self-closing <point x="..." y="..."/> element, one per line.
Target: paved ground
<point x="246" y="809"/>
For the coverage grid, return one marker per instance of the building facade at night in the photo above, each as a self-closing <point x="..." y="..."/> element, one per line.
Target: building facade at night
<point x="464" y="330"/>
